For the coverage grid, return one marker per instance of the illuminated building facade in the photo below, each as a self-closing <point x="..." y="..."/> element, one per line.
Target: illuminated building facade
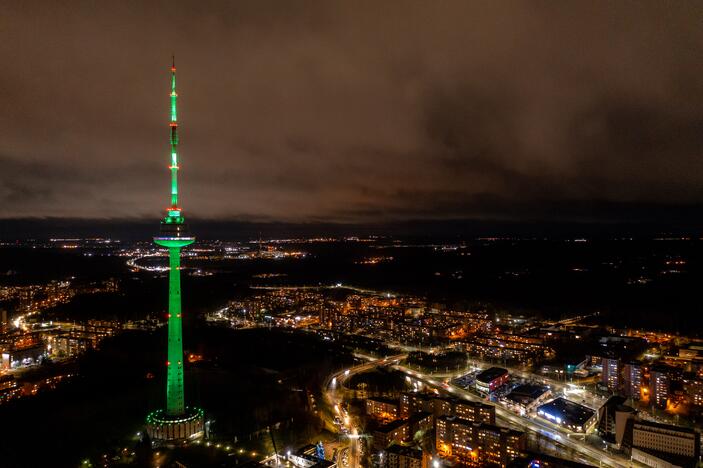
<point x="485" y="444"/>
<point x="411" y="403"/>
<point x="611" y="373"/>
<point x="694" y="390"/>
<point x="25" y="351"/>
<point x="659" y="387"/>
<point x="382" y="408"/>
<point x="655" y="444"/>
<point x="398" y="456"/>
<point x="632" y="379"/>
<point x="475" y="411"/>
<point x="491" y="379"/>
<point x="176" y="422"/>
<point x="395" y="431"/>
<point x="472" y="411"/>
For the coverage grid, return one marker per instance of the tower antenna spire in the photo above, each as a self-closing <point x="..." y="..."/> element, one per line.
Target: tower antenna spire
<point x="174" y="210"/>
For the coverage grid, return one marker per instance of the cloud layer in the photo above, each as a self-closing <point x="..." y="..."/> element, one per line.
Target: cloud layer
<point x="353" y="111"/>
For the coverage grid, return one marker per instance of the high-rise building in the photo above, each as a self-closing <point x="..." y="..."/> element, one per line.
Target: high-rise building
<point x="411" y="403"/>
<point x="610" y="376"/>
<point x="632" y="379"/>
<point x="176" y="422"/>
<point x="658" y="387"/>
<point x="608" y="415"/>
<point x="693" y="388"/>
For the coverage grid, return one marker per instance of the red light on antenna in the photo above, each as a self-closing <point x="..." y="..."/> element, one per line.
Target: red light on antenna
<point x="168" y="363"/>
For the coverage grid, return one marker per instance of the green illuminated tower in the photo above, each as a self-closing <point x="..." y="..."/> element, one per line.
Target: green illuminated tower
<point x="177" y="421"/>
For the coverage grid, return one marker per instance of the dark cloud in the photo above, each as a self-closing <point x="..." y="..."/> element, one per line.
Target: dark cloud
<point x="353" y="111"/>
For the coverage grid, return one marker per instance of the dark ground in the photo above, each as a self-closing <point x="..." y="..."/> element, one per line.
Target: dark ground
<point x="248" y="380"/>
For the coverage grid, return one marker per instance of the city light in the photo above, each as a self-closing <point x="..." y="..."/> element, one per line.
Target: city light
<point x="440" y="234"/>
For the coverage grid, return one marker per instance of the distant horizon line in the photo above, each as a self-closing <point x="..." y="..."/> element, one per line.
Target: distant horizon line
<point x="207" y="228"/>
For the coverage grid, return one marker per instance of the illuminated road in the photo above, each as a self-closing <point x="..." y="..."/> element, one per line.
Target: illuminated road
<point x="574" y="391"/>
<point x="556" y="434"/>
<point x="133" y="262"/>
<point x="329" y="286"/>
<point x="333" y="400"/>
<point x="559" y="437"/>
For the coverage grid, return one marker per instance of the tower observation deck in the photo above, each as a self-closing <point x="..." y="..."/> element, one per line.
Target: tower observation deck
<point x="176" y="422"/>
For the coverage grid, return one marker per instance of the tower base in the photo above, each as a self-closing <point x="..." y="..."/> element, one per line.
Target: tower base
<point x="165" y="429"/>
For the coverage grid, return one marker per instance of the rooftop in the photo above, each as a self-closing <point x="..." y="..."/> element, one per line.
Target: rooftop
<point x="405" y="451"/>
<point x="614" y="401"/>
<point x="392" y="426"/>
<point x="472" y="404"/>
<point x="660" y="427"/>
<point x="491" y="374"/>
<point x="419" y="416"/>
<point x="675" y="460"/>
<point x="388" y="401"/>
<point x="569" y="412"/>
<point x="527" y="393"/>
<point x="481" y="425"/>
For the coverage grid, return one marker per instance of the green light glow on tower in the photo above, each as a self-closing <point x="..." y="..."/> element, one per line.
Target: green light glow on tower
<point x="174" y="237"/>
<point x="174" y="142"/>
<point x="176" y="423"/>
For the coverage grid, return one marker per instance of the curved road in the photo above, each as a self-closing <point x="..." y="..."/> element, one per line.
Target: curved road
<point x="553" y="433"/>
<point x="333" y="400"/>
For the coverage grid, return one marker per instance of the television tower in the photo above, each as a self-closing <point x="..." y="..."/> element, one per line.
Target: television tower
<point x="176" y="422"/>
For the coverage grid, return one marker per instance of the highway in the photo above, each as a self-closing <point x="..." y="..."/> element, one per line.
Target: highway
<point x="326" y="286"/>
<point x="575" y="391"/>
<point x="557" y="435"/>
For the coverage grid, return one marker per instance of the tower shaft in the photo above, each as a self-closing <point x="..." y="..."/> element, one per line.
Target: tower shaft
<point x="175" y="404"/>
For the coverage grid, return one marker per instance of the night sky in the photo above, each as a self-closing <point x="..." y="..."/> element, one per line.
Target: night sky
<point x="356" y="111"/>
